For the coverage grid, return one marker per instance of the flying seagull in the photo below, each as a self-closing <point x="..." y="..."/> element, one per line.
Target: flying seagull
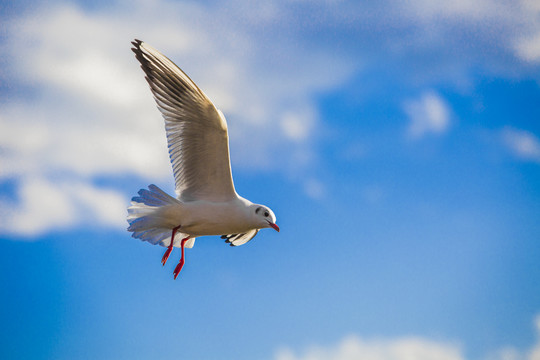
<point x="206" y="202"/>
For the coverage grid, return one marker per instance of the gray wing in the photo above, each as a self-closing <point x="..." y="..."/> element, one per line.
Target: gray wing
<point x="196" y="131"/>
<point x="240" y="239"/>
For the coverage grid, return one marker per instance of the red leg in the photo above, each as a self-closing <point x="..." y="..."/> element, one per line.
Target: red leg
<point x="170" y="247"/>
<point x="182" y="261"/>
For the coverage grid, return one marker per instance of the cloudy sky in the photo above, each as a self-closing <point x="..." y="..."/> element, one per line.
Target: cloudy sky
<point x="398" y="143"/>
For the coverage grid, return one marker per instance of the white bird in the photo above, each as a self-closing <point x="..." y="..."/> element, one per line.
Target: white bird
<point x="206" y="203"/>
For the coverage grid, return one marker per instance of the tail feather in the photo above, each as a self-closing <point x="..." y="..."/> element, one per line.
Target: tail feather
<point x="154" y="196"/>
<point x="145" y="222"/>
<point x="154" y="237"/>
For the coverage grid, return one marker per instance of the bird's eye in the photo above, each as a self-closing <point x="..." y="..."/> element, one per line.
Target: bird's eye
<point x="266" y="214"/>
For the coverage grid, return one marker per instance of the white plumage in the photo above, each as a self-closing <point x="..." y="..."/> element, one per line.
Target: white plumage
<point x="197" y="136"/>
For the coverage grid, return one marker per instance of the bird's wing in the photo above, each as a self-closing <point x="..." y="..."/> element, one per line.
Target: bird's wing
<point x="196" y="131"/>
<point x="240" y="239"/>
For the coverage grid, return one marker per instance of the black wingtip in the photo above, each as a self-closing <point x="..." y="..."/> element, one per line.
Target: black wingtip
<point x="136" y="46"/>
<point x="140" y="57"/>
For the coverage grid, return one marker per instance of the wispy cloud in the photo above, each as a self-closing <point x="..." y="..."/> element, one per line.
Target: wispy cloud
<point x="513" y="353"/>
<point x="81" y="106"/>
<point x="42" y="205"/>
<point x="521" y="143"/>
<point x="354" y="347"/>
<point x="314" y="188"/>
<point x="90" y="113"/>
<point x="429" y="114"/>
<point x="419" y="348"/>
<point x="500" y="29"/>
<point x="91" y="68"/>
<point x="528" y="48"/>
<point x="527" y="45"/>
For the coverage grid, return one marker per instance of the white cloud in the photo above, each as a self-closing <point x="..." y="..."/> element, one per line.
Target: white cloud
<point x="91" y="113"/>
<point x="534" y="353"/>
<point x="461" y="9"/>
<point x="298" y="125"/>
<point x="498" y="26"/>
<point x="96" y="88"/>
<point x="429" y="114"/>
<point x="512" y="353"/>
<point x="507" y="353"/>
<point x="99" y="206"/>
<point x="314" y="188"/>
<point x="522" y="144"/>
<point x="528" y="48"/>
<point x="527" y="44"/>
<point x="353" y="347"/>
<point x="43" y="140"/>
<point x="44" y="205"/>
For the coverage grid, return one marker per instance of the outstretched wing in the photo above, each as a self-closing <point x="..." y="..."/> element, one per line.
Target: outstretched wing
<point x="196" y="130"/>
<point x="240" y="239"/>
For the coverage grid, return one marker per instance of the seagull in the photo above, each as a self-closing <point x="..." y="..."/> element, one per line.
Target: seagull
<point x="198" y="141"/>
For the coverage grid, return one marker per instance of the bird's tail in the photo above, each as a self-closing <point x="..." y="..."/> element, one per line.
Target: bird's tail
<point x="145" y="221"/>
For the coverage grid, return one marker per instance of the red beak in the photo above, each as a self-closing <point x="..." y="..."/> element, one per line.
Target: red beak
<point x="274" y="226"/>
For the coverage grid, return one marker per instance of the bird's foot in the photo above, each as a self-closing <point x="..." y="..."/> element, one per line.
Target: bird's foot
<point x="166" y="255"/>
<point x="180" y="265"/>
<point x="170" y="247"/>
<point x="178" y="268"/>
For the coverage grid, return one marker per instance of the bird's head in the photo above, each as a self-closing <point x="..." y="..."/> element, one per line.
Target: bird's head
<point x="265" y="217"/>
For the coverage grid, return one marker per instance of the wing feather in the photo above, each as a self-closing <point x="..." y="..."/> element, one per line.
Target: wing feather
<point x="240" y="239"/>
<point x="196" y="131"/>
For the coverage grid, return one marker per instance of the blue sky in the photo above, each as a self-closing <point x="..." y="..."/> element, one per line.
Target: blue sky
<point x="397" y="142"/>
